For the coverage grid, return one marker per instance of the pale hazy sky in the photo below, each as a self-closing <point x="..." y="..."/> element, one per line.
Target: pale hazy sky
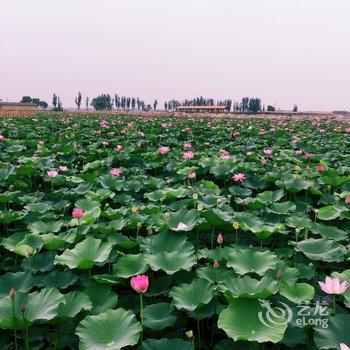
<point x="284" y="51"/>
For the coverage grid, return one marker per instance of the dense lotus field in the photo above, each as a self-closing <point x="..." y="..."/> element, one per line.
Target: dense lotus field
<point x="174" y="233"/>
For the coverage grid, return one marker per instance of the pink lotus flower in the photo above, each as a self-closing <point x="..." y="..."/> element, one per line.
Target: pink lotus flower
<point x="267" y="151"/>
<point x="347" y="131"/>
<point x="192" y="175"/>
<point x="63" y="168"/>
<point x="236" y="134"/>
<point x="77" y="213"/>
<point x="347" y="200"/>
<point x="104" y="125"/>
<point x="320" y="169"/>
<point x="139" y="283"/>
<point x="130" y="125"/>
<point x="298" y="152"/>
<point x="239" y="177"/>
<point x="343" y="346"/>
<point x="308" y="155"/>
<point x="333" y="286"/>
<point x="141" y="134"/>
<point x="3" y="138"/>
<point x="220" y="239"/>
<point x="181" y="226"/>
<point x="115" y="172"/>
<point x="224" y="155"/>
<point x="163" y="150"/>
<point x="216" y="264"/>
<point x="187" y="145"/>
<point x="118" y="148"/>
<point x="263" y="161"/>
<point x="52" y="173"/>
<point x="188" y="155"/>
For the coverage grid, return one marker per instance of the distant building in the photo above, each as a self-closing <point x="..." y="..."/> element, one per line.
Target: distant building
<point x="203" y="109"/>
<point x="17" y="108"/>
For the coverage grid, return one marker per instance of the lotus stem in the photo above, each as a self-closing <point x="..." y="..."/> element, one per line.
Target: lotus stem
<point x="334" y="304"/>
<point x="199" y="334"/>
<point x="26" y="333"/>
<point x="212" y="237"/>
<point x="14" y="321"/>
<point x="141" y="315"/>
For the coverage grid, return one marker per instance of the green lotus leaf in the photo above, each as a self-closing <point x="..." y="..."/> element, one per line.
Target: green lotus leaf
<point x="20" y="281"/>
<point x="57" y="279"/>
<point x="102" y="298"/>
<point x="165" y="344"/>
<point x="45" y="227"/>
<point x="240" y="321"/>
<point x="269" y="197"/>
<point x="189" y="219"/>
<point x="248" y="287"/>
<point x="55" y="242"/>
<point x="284" y="274"/>
<point x="7" y="217"/>
<point x="299" y="221"/>
<point x="251" y="261"/>
<point x="165" y="241"/>
<point x="113" y="329"/>
<point x="336" y="332"/>
<point x="327" y="213"/>
<point x="214" y="275"/>
<point x="189" y="296"/>
<point x="297" y="185"/>
<point x="256" y="182"/>
<point x="330" y="232"/>
<point x="217" y="217"/>
<point x="171" y="262"/>
<point x="40" y="208"/>
<point x="8" y="196"/>
<point x="40" y="306"/>
<point x="72" y="303"/>
<point x="298" y="292"/>
<point x="322" y="249"/>
<point x="86" y="254"/>
<point x="23" y="244"/>
<point x="282" y="208"/>
<point x="159" y="316"/>
<point x="130" y="265"/>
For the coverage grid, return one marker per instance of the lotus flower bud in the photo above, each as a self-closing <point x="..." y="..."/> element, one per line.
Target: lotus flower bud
<point x="139" y="283"/>
<point x="150" y="231"/>
<point x="347" y="200"/>
<point x="12" y="293"/>
<point x="189" y="334"/>
<point x="135" y="209"/>
<point x="216" y="264"/>
<point x="200" y="207"/>
<point x="220" y="239"/>
<point x="279" y="273"/>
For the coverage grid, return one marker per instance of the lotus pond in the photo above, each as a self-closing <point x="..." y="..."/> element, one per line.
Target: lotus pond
<point x="173" y="233"/>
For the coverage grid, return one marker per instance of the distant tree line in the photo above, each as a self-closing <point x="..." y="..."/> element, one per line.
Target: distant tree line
<point x="37" y="101"/>
<point x="107" y="102"/>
